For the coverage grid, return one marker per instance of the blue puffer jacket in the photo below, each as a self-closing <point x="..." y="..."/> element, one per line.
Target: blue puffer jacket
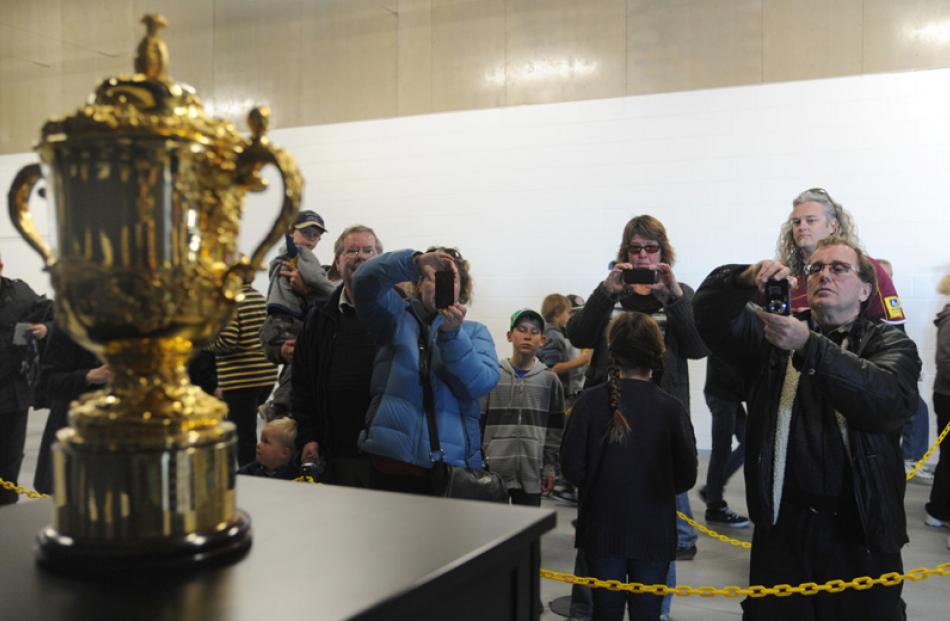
<point x="464" y="367"/>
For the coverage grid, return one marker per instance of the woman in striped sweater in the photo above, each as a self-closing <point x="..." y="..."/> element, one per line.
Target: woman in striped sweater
<point x="245" y="376"/>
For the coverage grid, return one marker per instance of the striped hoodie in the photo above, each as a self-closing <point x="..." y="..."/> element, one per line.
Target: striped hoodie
<point x="522" y="421"/>
<point x="240" y="358"/>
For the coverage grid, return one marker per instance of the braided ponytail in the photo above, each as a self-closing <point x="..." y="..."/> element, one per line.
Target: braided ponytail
<point x="634" y="343"/>
<point x="618" y="427"/>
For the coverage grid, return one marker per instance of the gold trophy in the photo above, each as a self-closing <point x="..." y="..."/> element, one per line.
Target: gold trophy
<point x="147" y="190"/>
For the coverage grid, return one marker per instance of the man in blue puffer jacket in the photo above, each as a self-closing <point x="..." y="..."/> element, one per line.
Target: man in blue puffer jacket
<point x="463" y="367"/>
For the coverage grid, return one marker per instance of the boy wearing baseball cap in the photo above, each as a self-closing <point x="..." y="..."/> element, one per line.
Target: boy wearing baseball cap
<point x="523" y="416"/>
<point x="297" y="283"/>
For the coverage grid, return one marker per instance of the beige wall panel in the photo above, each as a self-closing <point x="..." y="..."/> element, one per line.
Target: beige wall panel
<point x="657" y="46"/>
<point x="190" y="39"/>
<point x="807" y="39"/>
<point x="349" y="60"/>
<point x="563" y="50"/>
<point x="725" y="39"/>
<point x="691" y="44"/>
<point x="906" y="34"/>
<point x="414" y="66"/>
<point x="30" y="71"/>
<point x="468" y="52"/>
<point x="257" y="59"/>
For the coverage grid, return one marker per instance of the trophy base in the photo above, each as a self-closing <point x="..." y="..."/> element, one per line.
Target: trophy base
<point x="60" y="554"/>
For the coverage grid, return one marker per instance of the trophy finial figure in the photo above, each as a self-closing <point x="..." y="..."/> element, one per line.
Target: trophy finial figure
<point x="258" y="120"/>
<point x="151" y="57"/>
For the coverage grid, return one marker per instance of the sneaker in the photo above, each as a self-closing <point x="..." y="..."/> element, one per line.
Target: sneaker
<point x="726" y="516"/>
<point x="936" y="523"/>
<point x="686" y="554"/>
<point x="923" y="477"/>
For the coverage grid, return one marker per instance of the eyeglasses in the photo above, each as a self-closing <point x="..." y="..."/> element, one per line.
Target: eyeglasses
<point x="311" y="233"/>
<point x="838" y="268"/>
<point x="367" y="250"/>
<point x="650" y="248"/>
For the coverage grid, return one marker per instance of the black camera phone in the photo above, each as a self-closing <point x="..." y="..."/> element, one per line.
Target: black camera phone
<point x="291" y="247"/>
<point x="778" y="297"/>
<point x="641" y="276"/>
<point x="444" y="288"/>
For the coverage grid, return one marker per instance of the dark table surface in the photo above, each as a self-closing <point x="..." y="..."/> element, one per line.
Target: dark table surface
<point x="319" y="552"/>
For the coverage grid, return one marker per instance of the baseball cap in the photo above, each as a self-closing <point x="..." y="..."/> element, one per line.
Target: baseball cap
<point x="526" y="313"/>
<point x="307" y="218"/>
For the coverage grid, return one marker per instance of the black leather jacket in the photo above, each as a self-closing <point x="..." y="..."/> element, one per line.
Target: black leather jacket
<point x="18" y="303"/>
<point x="872" y="383"/>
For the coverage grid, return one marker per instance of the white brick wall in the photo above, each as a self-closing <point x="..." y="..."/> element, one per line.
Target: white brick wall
<point x="536" y="197"/>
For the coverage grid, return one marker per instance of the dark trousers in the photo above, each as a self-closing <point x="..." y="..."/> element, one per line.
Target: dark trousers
<point x="12" y="439"/>
<point x="939" y="505"/>
<point x="405" y="483"/>
<point x="242" y="411"/>
<point x="519" y="497"/>
<point x="805" y="546"/>
<point x="609" y="605"/>
<point x="349" y="472"/>
<point x="728" y="419"/>
<point x="57" y="419"/>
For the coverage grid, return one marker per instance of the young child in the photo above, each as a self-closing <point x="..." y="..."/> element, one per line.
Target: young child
<point x="558" y="353"/>
<point x="274" y="451"/>
<point x="523" y="416"/>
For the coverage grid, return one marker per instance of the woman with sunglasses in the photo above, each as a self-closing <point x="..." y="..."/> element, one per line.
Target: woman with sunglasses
<point x="645" y="246"/>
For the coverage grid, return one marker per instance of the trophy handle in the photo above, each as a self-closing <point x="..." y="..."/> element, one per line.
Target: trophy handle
<point x="257" y="154"/>
<point x="19" y="203"/>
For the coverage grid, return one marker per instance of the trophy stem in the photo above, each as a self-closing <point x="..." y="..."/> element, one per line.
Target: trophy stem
<point x="144" y="477"/>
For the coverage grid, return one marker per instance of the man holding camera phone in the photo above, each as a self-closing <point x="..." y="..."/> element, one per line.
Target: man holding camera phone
<point x="645" y="247"/>
<point x="831" y="390"/>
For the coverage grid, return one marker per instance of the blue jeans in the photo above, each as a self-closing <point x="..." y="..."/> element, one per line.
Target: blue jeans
<point x="609" y="605"/>
<point x="916" y="434"/>
<point x="685" y="538"/>
<point x="685" y="534"/>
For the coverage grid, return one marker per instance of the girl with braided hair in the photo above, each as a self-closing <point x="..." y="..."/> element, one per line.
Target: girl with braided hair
<point x="629" y="447"/>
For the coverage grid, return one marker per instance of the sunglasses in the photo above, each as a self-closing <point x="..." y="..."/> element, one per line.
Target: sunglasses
<point x="650" y="248"/>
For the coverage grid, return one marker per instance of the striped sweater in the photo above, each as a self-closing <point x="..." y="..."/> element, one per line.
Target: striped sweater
<point x="240" y="358"/>
<point x="522" y="422"/>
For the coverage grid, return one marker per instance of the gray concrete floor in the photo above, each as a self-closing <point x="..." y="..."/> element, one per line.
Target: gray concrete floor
<point x="716" y="564"/>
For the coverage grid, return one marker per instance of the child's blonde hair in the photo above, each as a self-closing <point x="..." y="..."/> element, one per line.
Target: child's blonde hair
<point x="285" y="430"/>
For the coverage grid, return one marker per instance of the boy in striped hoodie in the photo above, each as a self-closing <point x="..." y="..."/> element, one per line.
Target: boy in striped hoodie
<point x="523" y="416"/>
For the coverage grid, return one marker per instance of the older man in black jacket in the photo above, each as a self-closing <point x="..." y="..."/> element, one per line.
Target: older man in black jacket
<point x="332" y="367"/>
<point x="830" y="393"/>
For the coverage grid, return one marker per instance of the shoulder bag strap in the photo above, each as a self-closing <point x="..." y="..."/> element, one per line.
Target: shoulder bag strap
<point x="428" y="398"/>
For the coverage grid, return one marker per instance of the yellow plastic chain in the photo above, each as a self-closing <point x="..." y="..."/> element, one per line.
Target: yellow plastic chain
<point x="779" y="590"/>
<point x="708" y="531"/>
<point x="13" y="487"/>
<point x="930" y="451"/>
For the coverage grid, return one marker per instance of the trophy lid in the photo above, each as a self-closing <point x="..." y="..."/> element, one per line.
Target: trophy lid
<point x="145" y="104"/>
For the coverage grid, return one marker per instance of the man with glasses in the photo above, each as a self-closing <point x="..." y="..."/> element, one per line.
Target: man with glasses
<point x="831" y="390"/>
<point x="332" y="365"/>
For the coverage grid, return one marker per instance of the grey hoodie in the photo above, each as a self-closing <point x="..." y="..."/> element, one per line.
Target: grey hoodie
<point x="522" y="422"/>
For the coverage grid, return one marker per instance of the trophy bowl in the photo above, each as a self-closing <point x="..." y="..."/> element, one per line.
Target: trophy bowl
<point x="147" y="191"/>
